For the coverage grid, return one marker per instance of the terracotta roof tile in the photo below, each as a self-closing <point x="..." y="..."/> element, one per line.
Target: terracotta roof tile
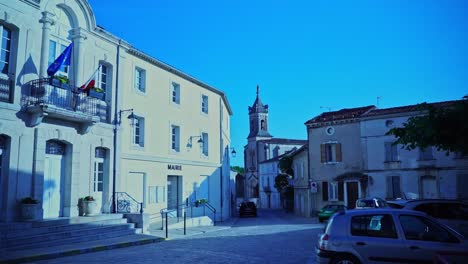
<point x="347" y="113"/>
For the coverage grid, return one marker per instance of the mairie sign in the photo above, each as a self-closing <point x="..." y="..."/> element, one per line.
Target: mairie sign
<point x="174" y="167"/>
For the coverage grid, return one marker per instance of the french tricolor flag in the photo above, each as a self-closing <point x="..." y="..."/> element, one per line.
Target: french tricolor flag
<point x="91" y="81"/>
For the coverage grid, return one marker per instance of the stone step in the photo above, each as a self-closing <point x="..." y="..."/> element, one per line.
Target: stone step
<point x="63" y="250"/>
<point x="84" y="233"/>
<point x="75" y="239"/>
<point x="59" y="228"/>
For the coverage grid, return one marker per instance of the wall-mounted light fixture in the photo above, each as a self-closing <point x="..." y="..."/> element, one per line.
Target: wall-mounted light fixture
<point x="233" y="152"/>
<point x="189" y="143"/>
<point x="131" y="116"/>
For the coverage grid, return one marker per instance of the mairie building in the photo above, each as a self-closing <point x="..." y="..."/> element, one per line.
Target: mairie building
<point x="146" y="137"/>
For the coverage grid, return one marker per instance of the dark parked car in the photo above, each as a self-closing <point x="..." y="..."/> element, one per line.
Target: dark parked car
<point x="247" y="208"/>
<point x="373" y="202"/>
<point x="327" y="211"/>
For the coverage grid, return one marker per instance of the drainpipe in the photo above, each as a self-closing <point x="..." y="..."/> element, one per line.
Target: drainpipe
<point x="116" y="116"/>
<point x="309" y="179"/>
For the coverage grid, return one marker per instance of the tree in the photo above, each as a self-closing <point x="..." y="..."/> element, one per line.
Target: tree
<point x="445" y="127"/>
<point x="238" y="169"/>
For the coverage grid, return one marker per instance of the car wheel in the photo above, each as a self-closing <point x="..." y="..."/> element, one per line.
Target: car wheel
<point x="345" y="259"/>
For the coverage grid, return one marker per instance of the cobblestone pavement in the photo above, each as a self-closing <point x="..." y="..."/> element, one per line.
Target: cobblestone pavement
<point x="272" y="237"/>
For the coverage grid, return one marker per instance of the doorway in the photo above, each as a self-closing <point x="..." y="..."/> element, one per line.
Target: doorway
<point x="174" y="192"/>
<point x="53" y="185"/>
<point x="428" y="187"/>
<point x="352" y="194"/>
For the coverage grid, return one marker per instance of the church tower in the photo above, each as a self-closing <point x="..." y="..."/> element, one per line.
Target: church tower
<point x="258" y="117"/>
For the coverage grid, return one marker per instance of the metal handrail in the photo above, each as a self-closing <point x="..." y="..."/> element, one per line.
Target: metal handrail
<point x="125" y="205"/>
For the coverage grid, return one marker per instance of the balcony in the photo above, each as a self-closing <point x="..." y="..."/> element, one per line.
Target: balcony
<point x="6" y="90"/>
<point x="63" y="102"/>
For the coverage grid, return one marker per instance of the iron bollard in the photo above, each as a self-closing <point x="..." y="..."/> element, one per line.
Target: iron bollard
<point x="167" y="231"/>
<point x="185" y="223"/>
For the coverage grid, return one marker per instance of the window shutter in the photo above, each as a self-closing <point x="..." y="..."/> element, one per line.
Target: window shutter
<point x="338" y="152"/>
<point x="396" y="186"/>
<point x="394" y="152"/>
<point x="388" y="151"/>
<point x="322" y="153"/>
<point x="325" y="191"/>
<point x="340" y="191"/>
<point x="389" y="187"/>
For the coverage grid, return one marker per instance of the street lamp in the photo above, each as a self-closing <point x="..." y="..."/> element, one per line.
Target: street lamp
<point x="131" y="116"/>
<point x="233" y="152"/>
<point x="200" y="140"/>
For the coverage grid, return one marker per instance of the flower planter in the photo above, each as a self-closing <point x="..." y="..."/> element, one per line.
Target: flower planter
<point x="29" y="211"/>
<point x="90" y="208"/>
<point x="97" y="95"/>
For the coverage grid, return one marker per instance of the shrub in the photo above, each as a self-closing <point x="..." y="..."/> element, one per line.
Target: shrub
<point x="88" y="198"/>
<point x="29" y="200"/>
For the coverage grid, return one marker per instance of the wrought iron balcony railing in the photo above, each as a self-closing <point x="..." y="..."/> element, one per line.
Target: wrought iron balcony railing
<point x="64" y="102"/>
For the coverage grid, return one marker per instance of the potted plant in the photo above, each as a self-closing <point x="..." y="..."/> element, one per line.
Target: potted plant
<point x="97" y="93"/>
<point x="89" y="206"/>
<point x="200" y="202"/>
<point x="29" y="208"/>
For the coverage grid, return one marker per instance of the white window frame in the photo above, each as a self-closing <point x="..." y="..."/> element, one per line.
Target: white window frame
<point x="8" y="51"/>
<point x="140" y="79"/>
<point x="97" y="173"/>
<point x="175" y="93"/>
<point x="138" y="131"/>
<point x="333" y="191"/>
<point x="204" y="104"/>
<point x="205" y="145"/>
<point x="175" y="138"/>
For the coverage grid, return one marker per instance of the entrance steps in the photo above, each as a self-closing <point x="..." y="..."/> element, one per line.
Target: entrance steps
<point x="29" y="241"/>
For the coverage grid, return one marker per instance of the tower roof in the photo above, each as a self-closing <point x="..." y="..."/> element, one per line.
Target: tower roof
<point x="258" y="106"/>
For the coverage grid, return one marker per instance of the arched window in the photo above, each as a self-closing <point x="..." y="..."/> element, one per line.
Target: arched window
<point x="5" y="37"/>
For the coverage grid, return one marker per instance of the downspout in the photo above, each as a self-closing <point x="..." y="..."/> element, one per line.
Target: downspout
<point x="116" y="115"/>
<point x="221" y="153"/>
<point x="309" y="179"/>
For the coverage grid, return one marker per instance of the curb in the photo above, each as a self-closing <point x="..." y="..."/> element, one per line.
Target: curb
<point x="73" y="252"/>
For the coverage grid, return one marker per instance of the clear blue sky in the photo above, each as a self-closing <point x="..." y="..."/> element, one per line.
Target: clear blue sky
<point x="304" y="54"/>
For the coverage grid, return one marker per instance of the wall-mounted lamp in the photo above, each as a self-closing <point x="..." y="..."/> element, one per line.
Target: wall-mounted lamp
<point x="131" y="116"/>
<point x="233" y="152"/>
<point x="200" y="140"/>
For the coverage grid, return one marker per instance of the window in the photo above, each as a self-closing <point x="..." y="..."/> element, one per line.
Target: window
<point x="138" y="131"/>
<point x="330" y="152"/>
<point x="205" y="144"/>
<point x="426" y="154"/>
<point x="176" y="93"/>
<point x="391" y="152"/>
<point x="99" y="158"/>
<point x="3" y="144"/>
<point x="156" y="194"/>
<point x="5" y="36"/>
<point x="373" y="226"/>
<point x="393" y="187"/>
<point x="175" y="138"/>
<point x="103" y="77"/>
<point x="333" y="191"/>
<point x="204" y="104"/>
<point x="421" y="228"/>
<point x="140" y="79"/>
<point x="55" y="49"/>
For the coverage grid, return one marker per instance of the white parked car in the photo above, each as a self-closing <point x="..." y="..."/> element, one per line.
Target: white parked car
<point x="388" y="235"/>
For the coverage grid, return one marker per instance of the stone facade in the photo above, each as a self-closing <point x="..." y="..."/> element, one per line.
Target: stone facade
<point x="58" y="144"/>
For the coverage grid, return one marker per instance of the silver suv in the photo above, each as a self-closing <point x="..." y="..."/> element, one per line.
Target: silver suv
<point x="388" y="235"/>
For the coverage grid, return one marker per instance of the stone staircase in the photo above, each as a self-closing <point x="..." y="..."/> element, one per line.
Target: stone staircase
<point x="29" y="241"/>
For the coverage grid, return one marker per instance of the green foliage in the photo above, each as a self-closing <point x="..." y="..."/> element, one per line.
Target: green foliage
<point x="29" y="200"/>
<point x="88" y="198"/>
<point x="285" y="165"/>
<point x="238" y="169"/>
<point x="446" y="128"/>
<point x="281" y="182"/>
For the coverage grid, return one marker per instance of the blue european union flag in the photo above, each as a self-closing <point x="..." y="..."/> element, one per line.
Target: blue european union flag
<point x="63" y="59"/>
